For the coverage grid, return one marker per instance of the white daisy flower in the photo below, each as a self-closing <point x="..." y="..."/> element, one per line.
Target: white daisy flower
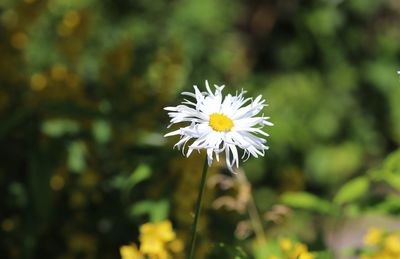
<point x="220" y="124"/>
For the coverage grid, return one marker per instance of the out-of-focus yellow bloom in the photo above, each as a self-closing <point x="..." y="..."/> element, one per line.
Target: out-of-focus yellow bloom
<point x="151" y="245"/>
<point x="162" y="231"/>
<point x="373" y="236"/>
<point x="392" y="244"/>
<point x="306" y="255"/>
<point x="383" y="255"/>
<point x="154" y="236"/>
<point x="285" y="244"/>
<point x="378" y="255"/>
<point x="130" y="252"/>
<point x="292" y="250"/>
<point x="385" y="245"/>
<point x="300" y="251"/>
<point x="157" y="241"/>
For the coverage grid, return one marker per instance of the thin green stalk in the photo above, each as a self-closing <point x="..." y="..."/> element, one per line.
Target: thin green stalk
<point x="198" y="208"/>
<point x="254" y="215"/>
<point x="256" y="220"/>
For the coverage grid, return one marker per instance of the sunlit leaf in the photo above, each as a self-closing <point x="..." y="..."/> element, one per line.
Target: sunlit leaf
<point x="101" y="131"/>
<point x="77" y="156"/>
<point x="156" y="210"/>
<point x="305" y="200"/>
<point x="352" y="190"/>
<point x="141" y="173"/>
<point x="59" y="127"/>
<point x="392" y="179"/>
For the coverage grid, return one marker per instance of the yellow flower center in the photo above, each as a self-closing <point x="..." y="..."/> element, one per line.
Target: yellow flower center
<point x="220" y="122"/>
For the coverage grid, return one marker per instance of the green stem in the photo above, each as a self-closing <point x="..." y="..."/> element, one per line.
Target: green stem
<point x="254" y="215"/>
<point x="198" y="207"/>
<point x="256" y="220"/>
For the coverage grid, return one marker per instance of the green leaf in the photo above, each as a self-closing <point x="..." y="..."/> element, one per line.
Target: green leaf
<point x="156" y="210"/>
<point x="140" y="208"/>
<point x="267" y="249"/>
<point x="59" y="127"/>
<point x="305" y="200"/>
<point x="392" y="179"/>
<point x="141" y="173"/>
<point x="390" y="204"/>
<point x="392" y="162"/>
<point x="127" y="183"/>
<point x="77" y="156"/>
<point x="101" y="131"/>
<point x="352" y="190"/>
<point x="323" y="255"/>
<point x="159" y="211"/>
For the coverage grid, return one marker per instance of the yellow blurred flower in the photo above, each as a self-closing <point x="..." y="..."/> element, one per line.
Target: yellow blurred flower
<point x="385" y="245"/>
<point x="392" y="244"/>
<point x="306" y="255"/>
<point x="151" y="245"/>
<point x="373" y="236"/>
<point x="130" y="252"/>
<point x="300" y="251"/>
<point x="293" y="250"/>
<point x="157" y="241"/>
<point x="162" y="230"/>
<point x="285" y="244"/>
<point x="383" y="255"/>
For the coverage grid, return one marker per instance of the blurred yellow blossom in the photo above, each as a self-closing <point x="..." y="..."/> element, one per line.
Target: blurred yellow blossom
<point x="290" y="249"/>
<point x="162" y="230"/>
<point x="306" y="255"/>
<point x="151" y="245"/>
<point x="285" y="244"/>
<point x="157" y="241"/>
<point x="373" y="236"/>
<point x="381" y="245"/>
<point x="130" y="252"/>
<point x="300" y="251"/>
<point x="392" y="244"/>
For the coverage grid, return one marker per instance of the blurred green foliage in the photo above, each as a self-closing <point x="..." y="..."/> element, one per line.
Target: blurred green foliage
<point x="83" y="83"/>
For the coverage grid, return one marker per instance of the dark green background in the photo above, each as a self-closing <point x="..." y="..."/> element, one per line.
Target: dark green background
<point x="83" y="161"/>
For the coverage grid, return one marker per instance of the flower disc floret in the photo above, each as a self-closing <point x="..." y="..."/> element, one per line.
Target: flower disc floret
<point x="220" y="124"/>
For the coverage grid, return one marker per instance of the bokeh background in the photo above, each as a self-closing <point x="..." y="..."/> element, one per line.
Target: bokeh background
<point x="83" y="160"/>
